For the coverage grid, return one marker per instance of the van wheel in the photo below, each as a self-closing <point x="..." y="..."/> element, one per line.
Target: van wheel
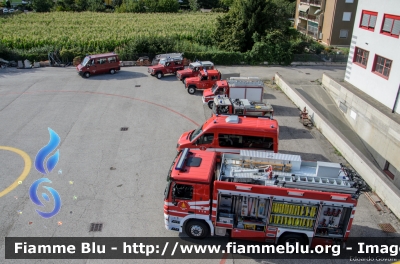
<point x="292" y="239"/>
<point x="210" y="104"/>
<point x="191" y="89"/>
<point x="86" y="74"/>
<point x="159" y="75"/>
<point x="196" y="229"/>
<point x="112" y="71"/>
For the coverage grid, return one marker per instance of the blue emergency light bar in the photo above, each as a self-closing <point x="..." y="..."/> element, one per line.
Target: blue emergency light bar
<point x="181" y="161"/>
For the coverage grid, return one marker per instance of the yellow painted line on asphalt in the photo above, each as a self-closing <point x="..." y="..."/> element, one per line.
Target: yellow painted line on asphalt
<point x="25" y="172"/>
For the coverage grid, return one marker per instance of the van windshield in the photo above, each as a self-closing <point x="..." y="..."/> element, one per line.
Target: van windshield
<point x="85" y="61"/>
<point x="191" y="66"/>
<point x="196" y="132"/>
<point x="214" y="88"/>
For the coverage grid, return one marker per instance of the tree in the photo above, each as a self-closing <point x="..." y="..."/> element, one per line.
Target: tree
<point x="194" y="5"/>
<point x="208" y="4"/>
<point x="117" y="3"/>
<point x="235" y="30"/>
<point x="42" y="5"/>
<point x="275" y="47"/>
<point x="226" y="3"/>
<point x="95" y="5"/>
<point x="81" y="5"/>
<point x="171" y="6"/>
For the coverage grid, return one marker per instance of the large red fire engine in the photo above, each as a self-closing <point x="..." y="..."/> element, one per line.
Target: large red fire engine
<point x="265" y="196"/>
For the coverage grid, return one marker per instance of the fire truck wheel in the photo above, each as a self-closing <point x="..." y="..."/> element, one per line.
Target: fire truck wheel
<point x="210" y="104"/>
<point x="293" y="238"/>
<point x="184" y="80"/>
<point x="196" y="229"/>
<point x="159" y="75"/>
<point x="112" y="71"/>
<point x="86" y="74"/>
<point x="191" y="89"/>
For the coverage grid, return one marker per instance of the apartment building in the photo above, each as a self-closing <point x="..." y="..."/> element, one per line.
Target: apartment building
<point x="328" y="21"/>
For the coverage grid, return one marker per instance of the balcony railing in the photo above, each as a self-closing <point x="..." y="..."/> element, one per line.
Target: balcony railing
<point x="311" y="2"/>
<point x="309" y="17"/>
<point x="301" y="29"/>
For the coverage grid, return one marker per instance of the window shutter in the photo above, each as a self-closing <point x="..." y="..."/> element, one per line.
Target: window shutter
<point x="365" y="20"/>
<point x="372" y="22"/>
<point x="387" y="26"/>
<point x="396" y="27"/>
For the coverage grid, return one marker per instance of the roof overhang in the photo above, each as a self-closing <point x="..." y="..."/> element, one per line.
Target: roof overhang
<point x="304" y="8"/>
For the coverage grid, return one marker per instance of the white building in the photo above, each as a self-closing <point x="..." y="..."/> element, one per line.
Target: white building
<point x="374" y="61"/>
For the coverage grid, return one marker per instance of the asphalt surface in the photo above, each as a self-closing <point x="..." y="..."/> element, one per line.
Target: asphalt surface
<point x="105" y="175"/>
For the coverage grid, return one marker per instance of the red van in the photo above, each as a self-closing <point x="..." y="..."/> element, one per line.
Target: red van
<point x="232" y="133"/>
<point x="99" y="64"/>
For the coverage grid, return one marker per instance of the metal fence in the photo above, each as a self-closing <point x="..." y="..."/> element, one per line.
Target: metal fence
<point x="320" y="57"/>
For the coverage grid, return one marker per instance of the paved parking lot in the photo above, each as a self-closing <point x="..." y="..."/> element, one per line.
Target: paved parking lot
<point x="115" y="177"/>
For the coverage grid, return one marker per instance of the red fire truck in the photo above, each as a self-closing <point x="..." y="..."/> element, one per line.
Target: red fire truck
<point x="251" y="88"/>
<point x="265" y="196"/>
<point x="204" y="80"/>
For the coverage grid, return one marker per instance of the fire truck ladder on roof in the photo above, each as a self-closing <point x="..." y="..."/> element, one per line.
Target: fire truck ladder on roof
<point x="315" y="183"/>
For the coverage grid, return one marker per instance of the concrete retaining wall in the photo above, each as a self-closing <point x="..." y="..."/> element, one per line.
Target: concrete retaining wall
<point x="389" y="194"/>
<point x="379" y="132"/>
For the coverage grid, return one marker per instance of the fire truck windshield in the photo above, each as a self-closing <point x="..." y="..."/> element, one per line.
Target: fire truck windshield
<point x="196" y="132"/>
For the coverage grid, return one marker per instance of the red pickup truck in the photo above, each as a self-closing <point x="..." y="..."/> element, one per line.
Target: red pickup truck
<point x="194" y="69"/>
<point x="204" y="80"/>
<point x="166" y="66"/>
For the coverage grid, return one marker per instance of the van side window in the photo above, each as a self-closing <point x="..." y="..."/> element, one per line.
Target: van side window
<point x="112" y="59"/>
<point x="102" y="61"/>
<point x="239" y="141"/>
<point x="258" y="142"/>
<point x="206" y="138"/>
<point x="226" y="140"/>
<point x="183" y="191"/>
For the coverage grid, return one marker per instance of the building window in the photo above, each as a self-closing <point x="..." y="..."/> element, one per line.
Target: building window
<point x="343" y="33"/>
<point x="349" y="1"/>
<point x="382" y="66"/>
<point x="368" y="20"/>
<point x="391" y="25"/>
<point x="389" y="170"/>
<point x="346" y="16"/>
<point x="361" y="57"/>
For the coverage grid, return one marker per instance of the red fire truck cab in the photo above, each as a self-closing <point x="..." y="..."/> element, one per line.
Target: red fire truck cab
<point x="204" y="80"/>
<point x="194" y="69"/>
<point x="232" y="133"/>
<point x="262" y="196"/>
<point x="169" y="65"/>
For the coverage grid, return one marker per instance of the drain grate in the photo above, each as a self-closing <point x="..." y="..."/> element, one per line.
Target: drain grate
<point x="137" y="85"/>
<point x="96" y="227"/>
<point x="388" y="228"/>
<point x="124" y="128"/>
